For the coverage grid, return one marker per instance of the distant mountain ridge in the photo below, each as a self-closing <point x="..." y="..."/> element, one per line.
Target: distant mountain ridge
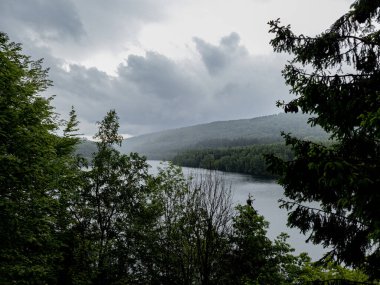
<point x="259" y="130"/>
<point x="86" y="148"/>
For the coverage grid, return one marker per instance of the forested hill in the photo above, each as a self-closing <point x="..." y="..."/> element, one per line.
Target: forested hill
<point x="260" y="130"/>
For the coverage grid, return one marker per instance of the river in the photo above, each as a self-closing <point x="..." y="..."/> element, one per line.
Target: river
<point x="266" y="195"/>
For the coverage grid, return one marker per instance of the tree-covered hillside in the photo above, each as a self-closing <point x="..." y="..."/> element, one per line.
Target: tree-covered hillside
<point x="260" y="130"/>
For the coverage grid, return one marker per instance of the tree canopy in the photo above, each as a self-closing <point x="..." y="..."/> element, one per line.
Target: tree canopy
<point x="335" y="77"/>
<point x="34" y="170"/>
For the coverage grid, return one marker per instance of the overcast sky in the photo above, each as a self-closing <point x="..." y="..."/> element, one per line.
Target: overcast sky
<point x="162" y="63"/>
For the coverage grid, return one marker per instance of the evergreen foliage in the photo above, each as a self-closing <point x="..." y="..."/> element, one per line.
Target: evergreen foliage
<point x="248" y="160"/>
<point x="335" y="77"/>
<point x="270" y="259"/>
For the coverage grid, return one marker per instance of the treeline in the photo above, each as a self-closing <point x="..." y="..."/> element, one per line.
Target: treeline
<point x="248" y="160"/>
<point x="236" y="142"/>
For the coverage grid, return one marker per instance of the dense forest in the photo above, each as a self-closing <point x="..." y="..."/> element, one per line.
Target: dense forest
<point x="248" y="160"/>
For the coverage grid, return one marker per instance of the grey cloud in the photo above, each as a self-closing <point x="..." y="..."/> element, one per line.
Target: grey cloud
<point x="231" y="41"/>
<point x="57" y="20"/>
<point x="157" y="75"/>
<point x="108" y="24"/>
<point x="85" y="83"/>
<point x="217" y="58"/>
<point x="78" y="30"/>
<point x="153" y="92"/>
<point x="213" y="58"/>
<point x="149" y="93"/>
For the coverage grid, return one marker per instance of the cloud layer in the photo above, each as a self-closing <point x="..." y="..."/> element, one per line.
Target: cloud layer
<point x="219" y="79"/>
<point x="153" y="92"/>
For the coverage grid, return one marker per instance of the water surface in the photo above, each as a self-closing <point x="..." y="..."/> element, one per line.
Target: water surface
<point x="266" y="195"/>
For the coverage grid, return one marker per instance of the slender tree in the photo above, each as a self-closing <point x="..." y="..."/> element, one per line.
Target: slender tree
<point x="114" y="213"/>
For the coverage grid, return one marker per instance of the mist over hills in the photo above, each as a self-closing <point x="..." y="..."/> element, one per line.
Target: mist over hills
<point x="86" y="148"/>
<point x="165" y="145"/>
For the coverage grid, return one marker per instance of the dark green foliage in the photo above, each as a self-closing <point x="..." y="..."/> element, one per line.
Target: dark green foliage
<point x="254" y="258"/>
<point x="34" y="169"/>
<point x="335" y="77"/>
<point x="336" y="282"/>
<point x="114" y="214"/>
<point x="248" y="160"/>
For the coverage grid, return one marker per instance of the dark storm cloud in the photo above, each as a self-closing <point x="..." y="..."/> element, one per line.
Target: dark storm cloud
<point x="154" y="92"/>
<point x="157" y="75"/>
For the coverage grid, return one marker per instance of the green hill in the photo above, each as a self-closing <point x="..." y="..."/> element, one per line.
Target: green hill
<point x="261" y="130"/>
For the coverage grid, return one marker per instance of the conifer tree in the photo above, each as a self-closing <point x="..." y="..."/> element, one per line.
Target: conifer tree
<point x="335" y="77"/>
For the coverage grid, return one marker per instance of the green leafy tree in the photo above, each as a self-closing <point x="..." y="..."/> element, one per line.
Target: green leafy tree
<point x="114" y="214"/>
<point x="304" y="270"/>
<point x="335" y="77"/>
<point x="35" y="169"/>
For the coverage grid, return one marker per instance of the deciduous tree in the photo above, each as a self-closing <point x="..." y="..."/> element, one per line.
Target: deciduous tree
<point x="35" y="169"/>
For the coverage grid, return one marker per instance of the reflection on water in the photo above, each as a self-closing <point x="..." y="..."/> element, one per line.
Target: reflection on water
<point x="266" y="195"/>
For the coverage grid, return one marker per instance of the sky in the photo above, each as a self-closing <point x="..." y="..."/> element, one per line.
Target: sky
<point x="162" y="64"/>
